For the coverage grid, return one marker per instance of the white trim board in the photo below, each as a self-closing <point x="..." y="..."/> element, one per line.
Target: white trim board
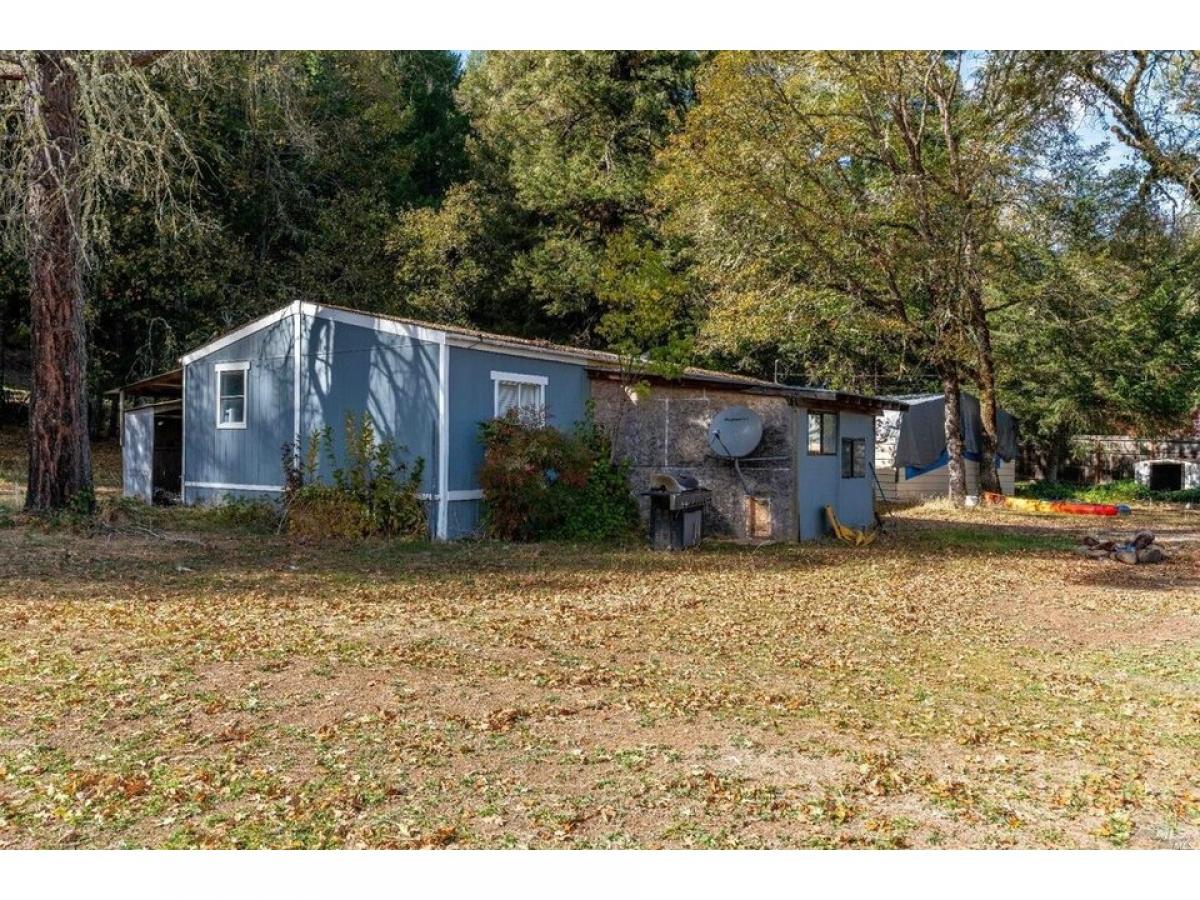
<point x="551" y="354"/>
<point x="451" y="496"/>
<point x="223" y="486"/>
<point x="376" y="323"/>
<point x="443" y="413"/>
<point x="520" y="378"/>
<point x="245" y="331"/>
<point x="455" y="496"/>
<point x="242" y="366"/>
<point x="183" y="419"/>
<point x="317" y="311"/>
<point x="297" y="341"/>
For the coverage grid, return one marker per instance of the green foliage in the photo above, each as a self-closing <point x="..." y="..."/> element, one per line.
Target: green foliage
<point x="372" y="495"/>
<point x="239" y="513"/>
<point x="645" y="297"/>
<point x="79" y="513"/>
<point x="304" y="161"/>
<point x="1127" y="491"/>
<point x="541" y="483"/>
<point x="526" y="472"/>
<point x="562" y="157"/>
<point x="825" y="230"/>
<point x="603" y="508"/>
<point x="1098" y="328"/>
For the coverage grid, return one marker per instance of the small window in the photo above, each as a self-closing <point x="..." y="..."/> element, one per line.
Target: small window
<point x="822" y="434"/>
<point x="854" y="457"/>
<point x="524" y="393"/>
<point x="231" y="394"/>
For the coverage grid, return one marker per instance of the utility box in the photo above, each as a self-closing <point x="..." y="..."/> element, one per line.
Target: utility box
<point x="676" y="517"/>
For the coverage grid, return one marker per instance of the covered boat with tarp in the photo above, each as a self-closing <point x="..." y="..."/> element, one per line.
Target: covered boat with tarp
<point x="911" y="460"/>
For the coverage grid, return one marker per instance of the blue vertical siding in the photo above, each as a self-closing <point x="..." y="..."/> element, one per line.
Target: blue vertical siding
<point x="351" y="369"/>
<point x="816" y="484"/>
<point x="820" y="482"/>
<point x="472" y="401"/>
<point x="250" y="455"/>
<point x="856" y="501"/>
<point x="464" y="518"/>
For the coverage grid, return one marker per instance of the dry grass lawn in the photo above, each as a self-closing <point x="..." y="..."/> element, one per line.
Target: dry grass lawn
<point x="966" y="682"/>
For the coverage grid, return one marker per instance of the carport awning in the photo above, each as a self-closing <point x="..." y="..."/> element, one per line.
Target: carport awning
<point x="164" y="384"/>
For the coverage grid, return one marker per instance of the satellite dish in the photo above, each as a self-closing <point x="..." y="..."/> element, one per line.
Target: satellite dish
<point x="735" y="432"/>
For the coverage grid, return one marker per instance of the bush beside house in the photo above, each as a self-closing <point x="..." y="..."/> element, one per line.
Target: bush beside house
<point x="541" y="483"/>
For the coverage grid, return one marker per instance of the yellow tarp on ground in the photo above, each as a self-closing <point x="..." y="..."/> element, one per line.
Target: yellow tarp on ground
<point x="857" y="537"/>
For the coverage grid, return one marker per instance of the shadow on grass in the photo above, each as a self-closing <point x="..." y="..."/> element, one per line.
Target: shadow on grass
<point x="1178" y="533"/>
<point x="190" y="559"/>
<point x="990" y="540"/>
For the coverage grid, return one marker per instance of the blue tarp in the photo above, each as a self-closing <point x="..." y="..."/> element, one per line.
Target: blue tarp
<point x="921" y="443"/>
<point x="944" y="460"/>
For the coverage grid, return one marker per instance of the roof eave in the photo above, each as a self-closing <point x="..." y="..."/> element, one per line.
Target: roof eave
<point x="838" y="399"/>
<point x="166" y="383"/>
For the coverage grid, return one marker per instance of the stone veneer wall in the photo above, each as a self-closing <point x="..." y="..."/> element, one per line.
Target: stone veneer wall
<point x="666" y="430"/>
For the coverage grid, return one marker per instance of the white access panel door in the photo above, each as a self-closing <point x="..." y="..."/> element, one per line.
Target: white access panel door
<point x="137" y="454"/>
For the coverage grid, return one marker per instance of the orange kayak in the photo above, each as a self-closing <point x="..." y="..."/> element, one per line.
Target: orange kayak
<point x="1059" y="507"/>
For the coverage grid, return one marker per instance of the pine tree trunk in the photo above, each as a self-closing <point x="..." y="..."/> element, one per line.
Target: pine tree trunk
<point x="60" y="464"/>
<point x="952" y="389"/>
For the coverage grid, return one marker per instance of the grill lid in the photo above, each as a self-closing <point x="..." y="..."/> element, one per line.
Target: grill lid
<point x="673" y="484"/>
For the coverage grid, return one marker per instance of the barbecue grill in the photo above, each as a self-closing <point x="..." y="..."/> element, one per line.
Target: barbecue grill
<point x="676" y="511"/>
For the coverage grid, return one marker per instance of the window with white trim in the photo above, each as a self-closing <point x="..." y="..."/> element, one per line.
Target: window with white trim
<point x="524" y="393"/>
<point x="232" y="394"/>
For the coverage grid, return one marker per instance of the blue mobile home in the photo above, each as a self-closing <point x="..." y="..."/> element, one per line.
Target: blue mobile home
<point x="250" y="393"/>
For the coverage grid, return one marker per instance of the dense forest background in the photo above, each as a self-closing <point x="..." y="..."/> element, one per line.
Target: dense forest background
<point x="654" y="202"/>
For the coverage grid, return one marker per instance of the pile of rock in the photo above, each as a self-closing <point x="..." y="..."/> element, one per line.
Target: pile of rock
<point x="1141" y="549"/>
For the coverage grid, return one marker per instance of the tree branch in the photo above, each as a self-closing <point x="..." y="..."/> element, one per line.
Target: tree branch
<point x="139" y="59"/>
<point x="142" y="58"/>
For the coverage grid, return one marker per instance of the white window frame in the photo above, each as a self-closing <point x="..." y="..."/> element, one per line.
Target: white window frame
<point x="518" y="378"/>
<point x="244" y="368"/>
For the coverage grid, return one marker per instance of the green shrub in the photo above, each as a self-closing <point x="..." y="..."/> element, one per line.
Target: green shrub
<point x="78" y="514"/>
<point x="117" y="511"/>
<point x="603" y="508"/>
<point x="238" y="512"/>
<point x="1127" y="491"/>
<point x="540" y="483"/>
<point x="372" y="495"/>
